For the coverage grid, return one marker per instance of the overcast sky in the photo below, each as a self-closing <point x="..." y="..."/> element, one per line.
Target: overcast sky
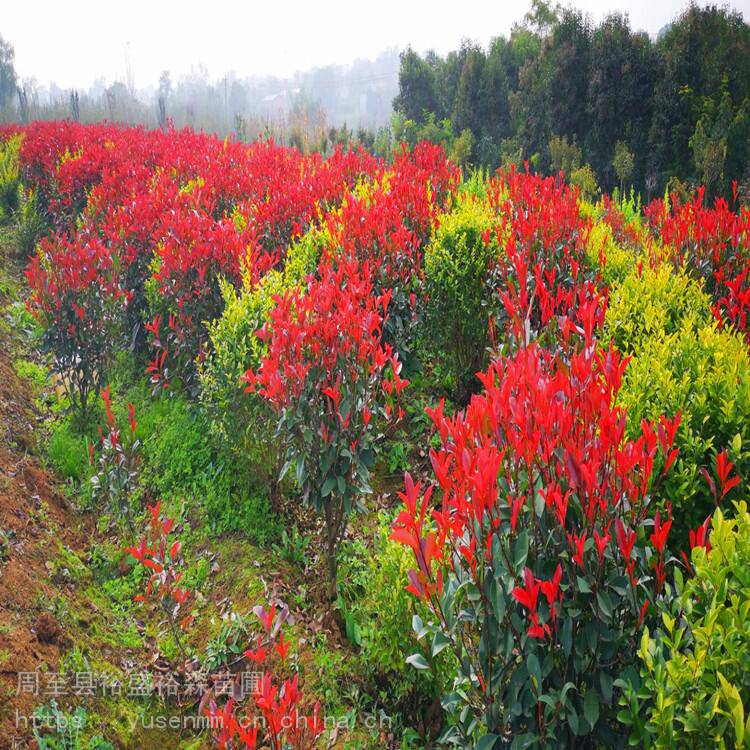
<point x="75" y="41"/>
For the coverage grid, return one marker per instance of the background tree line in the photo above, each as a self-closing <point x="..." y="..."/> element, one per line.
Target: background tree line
<point x="603" y="103"/>
<point x="608" y="106"/>
<point x="299" y="109"/>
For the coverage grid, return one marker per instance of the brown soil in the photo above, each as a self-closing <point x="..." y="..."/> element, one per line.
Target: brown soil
<point x="34" y="520"/>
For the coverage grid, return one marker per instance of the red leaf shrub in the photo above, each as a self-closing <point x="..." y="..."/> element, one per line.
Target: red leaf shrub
<point x="542" y="275"/>
<point x="76" y="298"/>
<point x="118" y="462"/>
<point x="326" y="374"/>
<point x="542" y="558"/>
<point x="160" y="556"/>
<point x="275" y="714"/>
<point x="171" y="212"/>
<point x="710" y="243"/>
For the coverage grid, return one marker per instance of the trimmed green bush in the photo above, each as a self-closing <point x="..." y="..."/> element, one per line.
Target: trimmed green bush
<point x="244" y="423"/>
<point x="653" y="304"/>
<point x="457" y="272"/>
<point x="682" y="362"/>
<point x="614" y="261"/>
<point x="10" y="178"/>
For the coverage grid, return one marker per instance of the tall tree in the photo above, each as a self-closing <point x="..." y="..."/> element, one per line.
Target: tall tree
<point x="678" y="106"/>
<point x="7" y="72"/>
<point x="698" y="52"/>
<point x="416" y="87"/>
<point x="553" y="88"/>
<point x="469" y="103"/>
<point x="620" y="91"/>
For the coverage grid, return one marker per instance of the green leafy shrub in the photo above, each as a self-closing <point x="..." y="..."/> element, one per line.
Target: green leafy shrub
<point x="457" y="267"/>
<point x="614" y="261"/>
<point x="244" y="424"/>
<point x="584" y="178"/>
<point x="681" y="361"/>
<point x="653" y="304"/>
<point x="30" y="223"/>
<point x="696" y="675"/>
<point x="10" y="178"/>
<point x="383" y="612"/>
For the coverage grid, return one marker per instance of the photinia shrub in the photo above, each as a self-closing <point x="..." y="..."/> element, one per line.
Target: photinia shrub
<point x="544" y="286"/>
<point x="544" y="557"/>
<point x="270" y="711"/>
<point x="160" y="556"/>
<point x="330" y="378"/>
<point x="185" y="292"/>
<point x="117" y="474"/>
<point x="77" y="301"/>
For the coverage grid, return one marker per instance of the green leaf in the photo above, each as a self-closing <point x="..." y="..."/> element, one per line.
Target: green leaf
<point x="328" y="486"/>
<point x="417" y="625"/>
<point x="566" y="638"/>
<point x="535" y="671"/>
<point x="564" y="692"/>
<point x="301" y="473"/>
<point x="573" y="720"/>
<point x="591" y="707"/>
<point x="487" y="742"/>
<point x="604" y="604"/>
<point x="284" y="469"/>
<point x="521" y="551"/>
<point x="737" y="444"/>
<point x="605" y="681"/>
<point x="417" y="661"/>
<point x="439" y="642"/>
<point x="522" y="741"/>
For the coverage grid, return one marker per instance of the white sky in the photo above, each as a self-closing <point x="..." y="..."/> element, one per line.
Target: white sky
<point x="74" y="42"/>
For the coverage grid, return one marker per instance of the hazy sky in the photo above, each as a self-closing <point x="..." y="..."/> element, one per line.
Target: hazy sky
<point x="75" y="41"/>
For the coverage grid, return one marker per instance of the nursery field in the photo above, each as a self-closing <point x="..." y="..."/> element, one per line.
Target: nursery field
<point x="341" y="452"/>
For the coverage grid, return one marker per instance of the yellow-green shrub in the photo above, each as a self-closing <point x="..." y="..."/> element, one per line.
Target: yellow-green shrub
<point x="377" y="600"/>
<point x="653" y="304"/>
<point x="682" y="362"/>
<point x="614" y="261"/>
<point x="244" y="422"/>
<point x="10" y="177"/>
<point x="584" y="178"/>
<point x="696" y="675"/>
<point x="457" y="266"/>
